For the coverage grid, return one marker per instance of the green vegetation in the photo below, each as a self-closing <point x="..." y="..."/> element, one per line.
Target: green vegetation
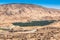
<point x="34" y="23"/>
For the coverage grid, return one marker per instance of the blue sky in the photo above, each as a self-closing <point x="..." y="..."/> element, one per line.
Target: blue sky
<point x="46" y="3"/>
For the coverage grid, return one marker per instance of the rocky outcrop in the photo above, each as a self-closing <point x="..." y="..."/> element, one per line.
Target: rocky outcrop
<point x="43" y="33"/>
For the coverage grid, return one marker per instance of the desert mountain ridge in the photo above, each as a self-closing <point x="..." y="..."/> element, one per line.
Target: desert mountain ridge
<point x="10" y="13"/>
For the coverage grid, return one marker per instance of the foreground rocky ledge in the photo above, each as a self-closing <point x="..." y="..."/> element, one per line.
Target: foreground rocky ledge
<point x="42" y="33"/>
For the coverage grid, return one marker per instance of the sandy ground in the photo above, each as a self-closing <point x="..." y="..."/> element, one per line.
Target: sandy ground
<point x="49" y="32"/>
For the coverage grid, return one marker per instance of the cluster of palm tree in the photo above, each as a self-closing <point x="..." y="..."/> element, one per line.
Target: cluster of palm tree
<point x="34" y="23"/>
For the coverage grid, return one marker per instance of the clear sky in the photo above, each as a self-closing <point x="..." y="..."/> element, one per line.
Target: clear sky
<point x="46" y="3"/>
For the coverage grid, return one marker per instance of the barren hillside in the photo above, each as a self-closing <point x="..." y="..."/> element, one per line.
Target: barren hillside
<point x="10" y="13"/>
<point x="30" y="17"/>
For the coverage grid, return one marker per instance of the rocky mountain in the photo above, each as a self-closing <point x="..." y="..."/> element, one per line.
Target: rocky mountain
<point x="10" y="13"/>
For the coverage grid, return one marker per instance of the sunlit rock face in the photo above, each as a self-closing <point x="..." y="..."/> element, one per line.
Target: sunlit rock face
<point x="10" y="13"/>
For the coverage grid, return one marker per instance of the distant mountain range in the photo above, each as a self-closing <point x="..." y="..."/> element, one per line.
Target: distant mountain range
<point x="10" y="13"/>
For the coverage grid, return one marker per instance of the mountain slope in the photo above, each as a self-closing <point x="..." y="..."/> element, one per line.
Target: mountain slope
<point x="10" y="13"/>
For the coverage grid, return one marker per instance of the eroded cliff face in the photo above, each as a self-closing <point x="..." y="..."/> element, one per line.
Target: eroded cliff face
<point x="10" y="13"/>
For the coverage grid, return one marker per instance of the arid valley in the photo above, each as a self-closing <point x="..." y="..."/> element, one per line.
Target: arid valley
<point x="29" y="22"/>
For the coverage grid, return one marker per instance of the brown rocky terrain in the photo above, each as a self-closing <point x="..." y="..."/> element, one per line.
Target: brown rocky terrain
<point x="10" y="13"/>
<point x="24" y="12"/>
